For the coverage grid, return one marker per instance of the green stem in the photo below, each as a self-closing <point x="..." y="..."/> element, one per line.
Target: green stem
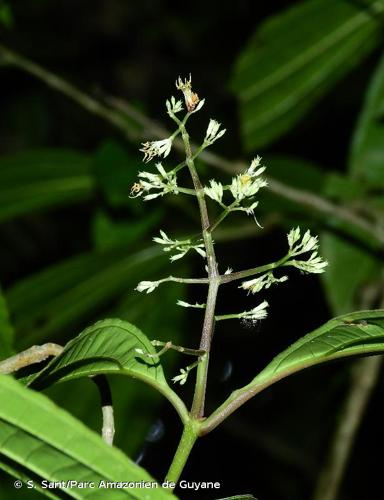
<point x="188" y="439"/>
<point x="222" y="216"/>
<point x="227" y="278"/>
<point x="197" y="410"/>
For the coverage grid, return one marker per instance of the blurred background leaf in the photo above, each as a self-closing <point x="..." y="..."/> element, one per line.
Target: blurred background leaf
<point x="295" y="57"/>
<point x="6" y="329"/>
<point x="367" y="148"/>
<point x="34" y="180"/>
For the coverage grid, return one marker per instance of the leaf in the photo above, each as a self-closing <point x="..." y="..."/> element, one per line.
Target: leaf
<point x="108" y="347"/>
<point x="108" y="233"/>
<point x="240" y="497"/>
<point x="355" y="334"/>
<point x="59" y="297"/>
<point x="6" y="330"/>
<point x="350" y="269"/>
<point x="6" y="15"/>
<point x="54" y="446"/>
<point x="33" y="180"/>
<point x="367" y="148"/>
<point x="116" y="172"/>
<point x="342" y="188"/>
<point x="295" y="57"/>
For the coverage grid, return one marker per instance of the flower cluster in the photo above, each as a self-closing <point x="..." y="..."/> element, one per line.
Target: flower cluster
<point x="173" y="106"/>
<point x="265" y="281"/>
<point x="182" y="303"/>
<point x="213" y="132"/>
<point x="163" y="182"/>
<point x="243" y="187"/>
<point x="255" y="314"/>
<point x="147" y="286"/>
<point x="315" y="264"/>
<point x="156" y="148"/>
<point x="181" y="247"/>
<point x="239" y="195"/>
<point x="247" y="184"/>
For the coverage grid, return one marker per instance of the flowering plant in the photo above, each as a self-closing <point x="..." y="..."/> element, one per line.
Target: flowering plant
<point x="113" y="346"/>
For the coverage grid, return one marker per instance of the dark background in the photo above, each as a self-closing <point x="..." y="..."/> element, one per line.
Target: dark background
<point x="272" y="447"/>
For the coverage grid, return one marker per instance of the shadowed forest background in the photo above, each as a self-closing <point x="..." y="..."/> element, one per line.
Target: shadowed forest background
<point x="300" y="83"/>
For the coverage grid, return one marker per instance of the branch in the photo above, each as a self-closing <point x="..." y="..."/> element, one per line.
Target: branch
<point x="365" y="376"/>
<point x="117" y="111"/>
<point x="108" y="429"/>
<point x="34" y="354"/>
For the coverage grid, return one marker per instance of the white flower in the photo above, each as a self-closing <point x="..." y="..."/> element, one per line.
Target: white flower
<point x="248" y="184"/>
<point x="182" y="378"/>
<point x="264" y="281"/>
<point x="229" y="270"/>
<point x="215" y="191"/>
<point x="156" y="148"/>
<point x="174" y="106"/>
<point x="163" y="182"/>
<point x="147" y="286"/>
<point x="191" y="99"/>
<point x="307" y="244"/>
<point x="186" y="304"/>
<point x="213" y="133"/>
<point x="315" y="264"/>
<point x="180" y="246"/>
<point x="258" y="312"/>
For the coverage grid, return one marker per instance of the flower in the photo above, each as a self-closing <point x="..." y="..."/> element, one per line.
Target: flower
<point x="191" y="99"/>
<point x="248" y="184"/>
<point x="213" y="133"/>
<point x="173" y="106"/>
<point x="147" y="286"/>
<point x="164" y="182"/>
<point x="215" y="191"/>
<point x="258" y="312"/>
<point x="186" y="304"/>
<point x="307" y="244"/>
<point x="315" y="264"/>
<point x="156" y="148"/>
<point x="264" y="281"/>
<point x="181" y="246"/>
<point x="182" y="378"/>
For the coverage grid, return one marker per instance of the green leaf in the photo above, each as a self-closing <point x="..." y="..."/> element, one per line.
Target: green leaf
<point x="108" y="233"/>
<point x="59" y="297"/>
<point x="367" y="149"/>
<point x="108" y="347"/>
<point x="355" y="334"/>
<point x="6" y="330"/>
<point x="295" y="57"/>
<point x="6" y="15"/>
<point x="33" y="180"/>
<point x="342" y="188"/>
<point x="54" y="446"/>
<point x="116" y="171"/>
<point x="350" y="269"/>
<point x="240" y="497"/>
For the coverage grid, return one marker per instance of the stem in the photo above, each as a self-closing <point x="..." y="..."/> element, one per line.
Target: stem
<point x="188" y="439"/>
<point x="227" y="278"/>
<point x="222" y="216"/>
<point x="34" y="354"/>
<point x="108" y="429"/>
<point x="197" y="410"/>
